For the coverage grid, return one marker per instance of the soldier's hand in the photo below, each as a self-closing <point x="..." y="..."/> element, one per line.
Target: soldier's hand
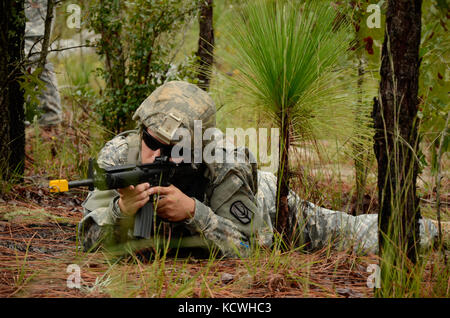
<point x="173" y="205"/>
<point x="133" y="198"/>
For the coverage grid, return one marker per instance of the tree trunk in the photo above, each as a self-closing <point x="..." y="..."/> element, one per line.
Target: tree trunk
<point x="361" y="156"/>
<point x="396" y="138"/>
<point x="283" y="221"/>
<point x="205" y="44"/>
<point x="4" y="109"/>
<point x="12" y="128"/>
<point x="47" y="31"/>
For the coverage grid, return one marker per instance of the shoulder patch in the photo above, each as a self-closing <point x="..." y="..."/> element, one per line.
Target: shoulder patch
<point x="241" y="212"/>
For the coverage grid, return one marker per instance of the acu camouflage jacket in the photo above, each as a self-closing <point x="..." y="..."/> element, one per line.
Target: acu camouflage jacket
<point x="215" y="223"/>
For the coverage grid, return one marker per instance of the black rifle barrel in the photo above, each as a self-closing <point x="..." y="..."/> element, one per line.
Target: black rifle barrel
<point x="81" y="183"/>
<point x="160" y="173"/>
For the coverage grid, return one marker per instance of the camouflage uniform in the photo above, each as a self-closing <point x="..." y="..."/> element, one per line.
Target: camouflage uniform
<point x="318" y="227"/>
<point x="50" y="101"/>
<point x="214" y="222"/>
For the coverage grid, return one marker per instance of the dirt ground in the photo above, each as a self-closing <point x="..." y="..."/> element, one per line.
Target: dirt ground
<point x="38" y="241"/>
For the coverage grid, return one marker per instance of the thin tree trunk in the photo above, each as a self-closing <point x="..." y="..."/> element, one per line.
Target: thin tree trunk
<point x="12" y="128"/>
<point x="4" y="109"/>
<point x="396" y="137"/>
<point x="359" y="153"/>
<point x="283" y="221"/>
<point x="47" y="31"/>
<point x="205" y="44"/>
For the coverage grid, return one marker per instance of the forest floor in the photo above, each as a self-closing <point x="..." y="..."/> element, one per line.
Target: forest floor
<point x="38" y="242"/>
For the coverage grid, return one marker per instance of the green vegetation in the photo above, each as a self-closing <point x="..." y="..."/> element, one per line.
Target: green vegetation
<point x="297" y="75"/>
<point x="331" y="114"/>
<point x="136" y="47"/>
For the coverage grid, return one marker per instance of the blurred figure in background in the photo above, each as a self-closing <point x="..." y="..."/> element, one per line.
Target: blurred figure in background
<point x="49" y="100"/>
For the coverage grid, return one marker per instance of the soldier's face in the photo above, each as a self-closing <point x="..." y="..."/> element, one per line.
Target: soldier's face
<point x="148" y="154"/>
<point x="152" y="146"/>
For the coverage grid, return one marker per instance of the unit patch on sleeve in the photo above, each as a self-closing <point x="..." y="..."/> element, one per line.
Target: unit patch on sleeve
<point x="241" y="212"/>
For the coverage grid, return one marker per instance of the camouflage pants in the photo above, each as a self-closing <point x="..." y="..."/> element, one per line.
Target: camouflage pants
<point x="49" y="100"/>
<point x="320" y="227"/>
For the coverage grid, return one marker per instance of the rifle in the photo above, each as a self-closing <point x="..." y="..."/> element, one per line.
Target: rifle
<point x="184" y="176"/>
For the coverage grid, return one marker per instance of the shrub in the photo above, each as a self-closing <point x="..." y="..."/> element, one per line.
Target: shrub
<point x="136" y="43"/>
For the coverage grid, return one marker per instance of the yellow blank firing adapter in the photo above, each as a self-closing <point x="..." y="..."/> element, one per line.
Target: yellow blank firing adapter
<point x="59" y="185"/>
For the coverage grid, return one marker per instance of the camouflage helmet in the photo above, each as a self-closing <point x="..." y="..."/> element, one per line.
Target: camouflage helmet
<point x="176" y="104"/>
